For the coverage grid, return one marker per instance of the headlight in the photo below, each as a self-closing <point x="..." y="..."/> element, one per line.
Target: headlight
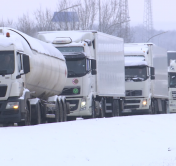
<point x="12" y="105"/>
<point x="172" y="105"/>
<point x="144" y="103"/>
<point x="83" y="103"/>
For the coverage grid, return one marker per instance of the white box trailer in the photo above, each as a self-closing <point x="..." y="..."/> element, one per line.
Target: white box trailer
<point x="146" y="78"/>
<point x="32" y="75"/>
<point x="171" y="55"/>
<point x="98" y="85"/>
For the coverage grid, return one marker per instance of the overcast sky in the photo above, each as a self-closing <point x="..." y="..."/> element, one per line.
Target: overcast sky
<point x="164" y="11"/>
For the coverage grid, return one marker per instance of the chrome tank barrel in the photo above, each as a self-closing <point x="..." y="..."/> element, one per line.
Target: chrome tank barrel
<point x="47" y="75"/>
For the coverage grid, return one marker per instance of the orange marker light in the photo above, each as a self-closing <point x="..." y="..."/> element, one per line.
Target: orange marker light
<point x="7" y="34"/>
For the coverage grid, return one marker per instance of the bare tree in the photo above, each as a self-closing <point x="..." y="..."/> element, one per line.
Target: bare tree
<point x="87" y="13"/>
<point x="109" y="16"/>
<point x="43" y="20"/>
<point x="26" y="25"/>
<point x="8" y="23"/>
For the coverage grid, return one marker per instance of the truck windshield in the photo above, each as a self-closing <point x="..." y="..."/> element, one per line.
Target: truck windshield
<point x="76" y="67"/>
<point x="70" y="49"/>
<point x="171" y="56"/>
<point x="172" y="80"/>
<point x="136" y="73"/>
<point x="6" y="62"/>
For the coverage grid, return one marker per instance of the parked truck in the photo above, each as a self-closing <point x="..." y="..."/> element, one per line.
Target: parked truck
<point x="95" y="62"/>
<point x="171" y="55"/>
<point x="32" y="75"/>
<point x="146" y="78"/>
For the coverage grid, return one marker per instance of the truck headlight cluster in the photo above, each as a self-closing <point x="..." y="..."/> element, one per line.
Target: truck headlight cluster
<point x="12" y="105"/>
<point x="144" y="103"/>
<point x="83" y="103"/>
<point x="172" y="105"/>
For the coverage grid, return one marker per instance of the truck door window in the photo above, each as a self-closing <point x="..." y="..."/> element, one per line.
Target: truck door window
<point x="88" y="65"/>
<point x="19" y="61"/>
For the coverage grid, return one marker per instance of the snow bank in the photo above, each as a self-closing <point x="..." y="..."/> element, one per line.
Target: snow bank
<point x="147" y="140"/>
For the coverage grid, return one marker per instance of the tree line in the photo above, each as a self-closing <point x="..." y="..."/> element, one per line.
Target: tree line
<point x="92" y="15"/>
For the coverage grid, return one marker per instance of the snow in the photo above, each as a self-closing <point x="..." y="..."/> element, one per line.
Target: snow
<point x="24" y="92"/>
<point x="35" y="44"/>
<point x="76" y="36"/>
<point x="135" y="61"/>
<point x="145" y="140"/>
<point x="13" y="40"/>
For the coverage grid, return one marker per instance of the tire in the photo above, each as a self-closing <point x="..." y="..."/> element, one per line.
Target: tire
<point x="155" y="107"/>
<point x="57" y="115"/>
<point x="93" y="109"/>
<point x="27" y="120"/>
<point x="102" y="110"/>
<point x="164" y="107"/>
<point x="60" y="112"/>
<point x="115" y="108"/>
<point x="64" y="112"/>
<point x="39" y="119"/>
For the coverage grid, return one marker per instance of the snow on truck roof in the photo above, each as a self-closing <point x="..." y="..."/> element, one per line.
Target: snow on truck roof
<point x="76" y="36"/>
<point x="35" y="44"/>
<point x="135" y="61"/>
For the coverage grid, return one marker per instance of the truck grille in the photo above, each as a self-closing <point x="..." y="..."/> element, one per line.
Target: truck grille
<point x="131" y="106"/>
<point x="71" y="91"/>
<point x="174" y="94"/>
<point x="132" y="101"/>
<point x="133" y="92"/>
<point x="73" y="104"/>
<point x="3" y="90"/>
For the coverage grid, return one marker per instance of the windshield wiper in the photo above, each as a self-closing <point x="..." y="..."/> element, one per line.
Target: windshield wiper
<point x="137" y="79"/>
<point x="3" y="72"/>
<point x="70" y="72"/>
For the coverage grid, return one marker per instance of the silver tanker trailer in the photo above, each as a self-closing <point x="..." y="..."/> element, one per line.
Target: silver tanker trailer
<point x="32" y="75"/>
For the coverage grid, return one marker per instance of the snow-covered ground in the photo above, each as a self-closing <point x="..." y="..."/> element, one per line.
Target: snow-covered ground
<point x="145" y="140"/>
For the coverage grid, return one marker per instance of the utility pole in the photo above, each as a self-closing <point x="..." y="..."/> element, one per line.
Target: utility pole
<point x="99" y="15"/>
<point x="148" y="20"/>
<point x="123" y="16"/>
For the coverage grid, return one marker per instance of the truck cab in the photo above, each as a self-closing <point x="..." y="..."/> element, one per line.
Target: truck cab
<point x="95" y="63"/>
<point x="172" y="80"/>
<point x="145" y="78"/>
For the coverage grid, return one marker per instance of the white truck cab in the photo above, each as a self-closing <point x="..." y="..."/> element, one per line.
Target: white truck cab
<point x="172" y="80"/>
<point x="95" y="63"/>
<point x="146" y="79"/>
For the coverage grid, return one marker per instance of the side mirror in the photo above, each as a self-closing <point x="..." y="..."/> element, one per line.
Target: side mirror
<point x="152" y="77"/>
<point x="26" y="64"/>
<point x="89" y="43"/>
<point x="94" y="72"/>
<point x="152" y="71"/>
<point x="93" y="64"/>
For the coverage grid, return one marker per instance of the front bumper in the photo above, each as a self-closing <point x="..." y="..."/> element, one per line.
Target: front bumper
<point x="136" y="105"/>
<point x="10" y="115"/>
<point x="172" y="106"/>
<point x="75" y="107"/>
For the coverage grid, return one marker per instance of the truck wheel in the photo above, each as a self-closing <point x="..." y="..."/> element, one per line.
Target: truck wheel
<point x="155" y="106"/>
<point x="102" y="110"/>
<point x="57" y="112"/>
<point x="115" y="108"/>
<point x="39" y="119"/>
<point x="60" y="112"/>
<point x="64" y="112"/>
<point x="27" y="120"/>
<point x="93" y="109"/>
